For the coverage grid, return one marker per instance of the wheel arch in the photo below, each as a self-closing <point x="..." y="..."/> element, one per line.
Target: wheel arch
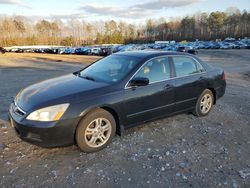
<point x="119" y="126"/>
<point x="112" y="111"/>
<point x="214" y="93"/>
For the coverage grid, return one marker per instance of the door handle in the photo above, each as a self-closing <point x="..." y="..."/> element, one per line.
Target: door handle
<point x="201" y="78"/>
<point x="168" y="86"/>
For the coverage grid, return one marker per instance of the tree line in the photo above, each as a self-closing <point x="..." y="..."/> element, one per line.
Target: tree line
<point x="18" y="30"/>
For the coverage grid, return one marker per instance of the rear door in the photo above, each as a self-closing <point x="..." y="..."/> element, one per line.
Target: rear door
<point x="189" y="81"/>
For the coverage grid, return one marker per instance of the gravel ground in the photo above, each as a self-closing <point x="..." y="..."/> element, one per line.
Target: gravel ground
<point x="180" y="151"/>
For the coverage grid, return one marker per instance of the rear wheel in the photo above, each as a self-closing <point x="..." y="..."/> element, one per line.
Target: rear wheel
<point x="95" y="131"/>
<point x="204" y="103"/>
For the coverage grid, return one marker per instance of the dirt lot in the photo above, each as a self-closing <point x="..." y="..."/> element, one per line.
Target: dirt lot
<point x="180" y="151"/>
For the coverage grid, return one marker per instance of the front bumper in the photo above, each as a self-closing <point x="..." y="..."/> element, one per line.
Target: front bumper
<point x="44" y="134"/>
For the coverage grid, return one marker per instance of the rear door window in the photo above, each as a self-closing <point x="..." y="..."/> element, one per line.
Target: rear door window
<point x="185" y="66"/>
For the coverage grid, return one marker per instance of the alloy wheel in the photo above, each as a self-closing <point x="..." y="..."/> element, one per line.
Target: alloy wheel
<point x="206" y="103"/>
<point x="98" y="132"/>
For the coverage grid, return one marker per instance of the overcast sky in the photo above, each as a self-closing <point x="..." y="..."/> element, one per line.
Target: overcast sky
<point x="129" y="10"/>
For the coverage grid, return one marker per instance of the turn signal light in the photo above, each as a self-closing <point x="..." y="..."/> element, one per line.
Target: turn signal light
<point x="223" y="76"/>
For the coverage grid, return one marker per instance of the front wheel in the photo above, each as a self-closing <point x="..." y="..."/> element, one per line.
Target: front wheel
<point x="95" y="131"/>
<point x="204" y="103"/>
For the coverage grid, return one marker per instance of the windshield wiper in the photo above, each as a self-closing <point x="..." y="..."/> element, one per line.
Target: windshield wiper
<point x="87" y="77"/>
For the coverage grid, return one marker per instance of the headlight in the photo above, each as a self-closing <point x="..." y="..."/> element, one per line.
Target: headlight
<point x="52" y="113"/>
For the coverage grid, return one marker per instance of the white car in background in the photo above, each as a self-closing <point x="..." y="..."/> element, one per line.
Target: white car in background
<point x="95" y="51"/>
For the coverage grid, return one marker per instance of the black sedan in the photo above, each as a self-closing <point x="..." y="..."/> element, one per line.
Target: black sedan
<point x="122" y="90"/>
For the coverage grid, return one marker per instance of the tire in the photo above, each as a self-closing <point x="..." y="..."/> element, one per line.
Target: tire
<point x="95" y="131"/>
<point x="204" y="103"/>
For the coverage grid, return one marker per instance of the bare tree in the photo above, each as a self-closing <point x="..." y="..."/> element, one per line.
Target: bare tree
<point x="20" y="30"/>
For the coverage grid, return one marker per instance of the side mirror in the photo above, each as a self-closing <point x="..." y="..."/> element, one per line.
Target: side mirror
<point x="139" y="81"/>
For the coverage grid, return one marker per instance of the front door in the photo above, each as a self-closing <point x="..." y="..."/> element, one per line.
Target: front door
<point x="153" y="100"/>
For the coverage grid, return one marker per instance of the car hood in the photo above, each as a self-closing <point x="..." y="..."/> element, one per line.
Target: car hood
<point x="54" y="91"/>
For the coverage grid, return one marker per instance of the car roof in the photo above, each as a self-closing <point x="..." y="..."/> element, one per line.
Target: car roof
<point x="145" y="54"/>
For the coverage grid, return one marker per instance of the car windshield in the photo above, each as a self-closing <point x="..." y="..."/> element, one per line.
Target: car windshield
<point x="110" y="69"/>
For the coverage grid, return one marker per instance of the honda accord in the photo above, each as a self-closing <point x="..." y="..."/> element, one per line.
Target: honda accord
<point x="90" y="106"/>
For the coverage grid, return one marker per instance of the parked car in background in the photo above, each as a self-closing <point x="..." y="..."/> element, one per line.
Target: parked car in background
<point x="28" y="50"/>
<point x="17" y="50"/>
<point x="83" y="51"/>
<point x="39" y="50"/>
<point x="2" y="50"/>
<point x="105" y="51"/>
<point x="120" y="91"/>
<point x="96" y="51"/>
<point x="51" y="50"/>
<point x="182" y="49"/>
<point x="116" y="49"/>
<point x="67" y="50"/>
<point x="187" y="50"/>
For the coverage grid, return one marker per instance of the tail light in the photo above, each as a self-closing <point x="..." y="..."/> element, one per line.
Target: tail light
<point x="223" y="76"/>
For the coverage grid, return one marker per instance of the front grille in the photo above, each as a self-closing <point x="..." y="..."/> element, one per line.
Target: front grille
<point x="18" y="111"/>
